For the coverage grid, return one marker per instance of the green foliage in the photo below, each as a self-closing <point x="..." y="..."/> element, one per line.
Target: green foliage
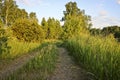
<point x="33" y="16"/>
<point x="1" y="24"/>
<point x="117" y="35"/>
<point x="106" y="31"/>
<point x="110" y="30"/>
<point x="100" y="56"/>
<point x="52" y="28"/>
<point x="8" y="7"/>
<point x="95" y="31"/>
<point x="44" y="23"/>
<point x="27" y="30"/>
<point x="9" y="12"/>
<point x="4" y="48"/>
<point x="75" y="21"/>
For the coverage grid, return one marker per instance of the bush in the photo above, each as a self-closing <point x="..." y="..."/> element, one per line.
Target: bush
<point x="27" y="30"/>
<point x="4" y="48"/>
<point x="1" y="24"/>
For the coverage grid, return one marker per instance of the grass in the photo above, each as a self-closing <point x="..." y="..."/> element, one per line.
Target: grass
<point x="19" y="48"/>
<point x="100" y="56"/>
<point x="39" y="67"/>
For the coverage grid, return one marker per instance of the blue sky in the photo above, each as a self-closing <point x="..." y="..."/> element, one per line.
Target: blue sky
<point x="103" y="12"/>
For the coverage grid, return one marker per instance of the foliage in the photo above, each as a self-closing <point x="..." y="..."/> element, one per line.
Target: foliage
<point x="20" y="48"/>
<point x="7" y="8"/>
<point x="9" y="12"/>
<point x="106" y="31"/>
<point x="33" y="16"/>
<point x="95" y="31"/>
<point x="75" y="21"/>
<point x="100" y="56"/>
<point x="1" y="24"/>
<point x="52" y="28"/>
<point x="4" y="48"/>
<point x="27" y="30"/>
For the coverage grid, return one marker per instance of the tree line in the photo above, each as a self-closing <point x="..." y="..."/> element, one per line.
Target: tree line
<point x="106" y="31"/>
<point x="18" y="24"/>
<point x="25" y="26"/>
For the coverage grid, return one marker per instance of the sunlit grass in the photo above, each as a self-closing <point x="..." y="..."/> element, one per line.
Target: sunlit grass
<point x="39" y="67"/>
<point x="19" y="48"/>
<point x="100" y="56"/>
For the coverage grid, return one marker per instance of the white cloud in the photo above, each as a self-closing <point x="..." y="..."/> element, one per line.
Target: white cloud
<point x="103" y="13"/>
<point x="26" y="2"/>
<point x="118" y="1"/>
<point x="33" y="2"/>
<point x="100" y="22"/>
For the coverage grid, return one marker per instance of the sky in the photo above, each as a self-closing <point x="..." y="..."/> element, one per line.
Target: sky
<point x="103" y="12"/>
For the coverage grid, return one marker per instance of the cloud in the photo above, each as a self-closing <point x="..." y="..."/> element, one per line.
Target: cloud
<point x="103" y="19"/>
<point x="100" y="22"/>
<point x="118" y="1"/>
<point x="103" y="13"/>
<point x="33" y="2"/>
<point x="26" y="2"/>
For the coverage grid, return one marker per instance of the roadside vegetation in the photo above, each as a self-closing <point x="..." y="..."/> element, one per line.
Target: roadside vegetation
<point x="100" y="56"/>
<point x="40" y="67"/>
<point x="97" y="50"/>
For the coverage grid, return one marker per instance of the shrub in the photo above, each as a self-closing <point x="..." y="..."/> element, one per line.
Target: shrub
<point x="4" y="48"/>
<point x="27" y="30"/>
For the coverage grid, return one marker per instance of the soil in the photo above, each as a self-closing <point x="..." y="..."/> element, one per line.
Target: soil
<point x="66" y="69"/>
<point x="16" y="64"/>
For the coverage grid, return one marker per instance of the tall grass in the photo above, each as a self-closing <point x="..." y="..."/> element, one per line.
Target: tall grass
<point x="39" y="67"/>
<point x="19" y="48"/>
<point x="100" y="56"/>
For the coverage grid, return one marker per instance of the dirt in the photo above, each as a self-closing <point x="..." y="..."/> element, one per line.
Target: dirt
<point x="16" y="64"/>
<point x="66" y="69"/>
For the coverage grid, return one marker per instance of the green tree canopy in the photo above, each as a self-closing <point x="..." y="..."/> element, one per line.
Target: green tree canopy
<point x="43" y="22"/>
<point x="75" y="20"/>
<point x="9" y="12"/>
<point x="52" y="28"/>
<point x="33" y="16"/>
<point x="27" y="30"/>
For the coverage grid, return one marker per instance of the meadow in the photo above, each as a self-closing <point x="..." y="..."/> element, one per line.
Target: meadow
<point x="100" y="56"/>
<point x="39" y="67"/>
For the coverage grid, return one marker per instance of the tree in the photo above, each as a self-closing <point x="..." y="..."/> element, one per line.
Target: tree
<point x="95" y="31"/>
<point x="71" y="10"/>
<point x="33" y="16"/>
<point x="44" y="25"/>
<point x="115" y="30"/>
<point x="51" y="28"/>
<point x="43" y="22"/>
<point x="58" y="30"/>
<point x="27" y="30"/>
<point x="1" y="1"/>
<point x="20" y="13"/>
<point x="9" y="12"/>
<point x="8" y="7"/>
<point x="75" y="21"/>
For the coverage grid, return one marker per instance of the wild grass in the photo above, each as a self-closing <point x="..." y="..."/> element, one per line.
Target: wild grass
<point x="100" y="56"/>
<point x="39" y="67"/>
<point x="19" y="48"/>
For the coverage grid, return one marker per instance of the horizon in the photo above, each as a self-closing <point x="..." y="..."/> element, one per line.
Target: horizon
<point x="103" y="12"/>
